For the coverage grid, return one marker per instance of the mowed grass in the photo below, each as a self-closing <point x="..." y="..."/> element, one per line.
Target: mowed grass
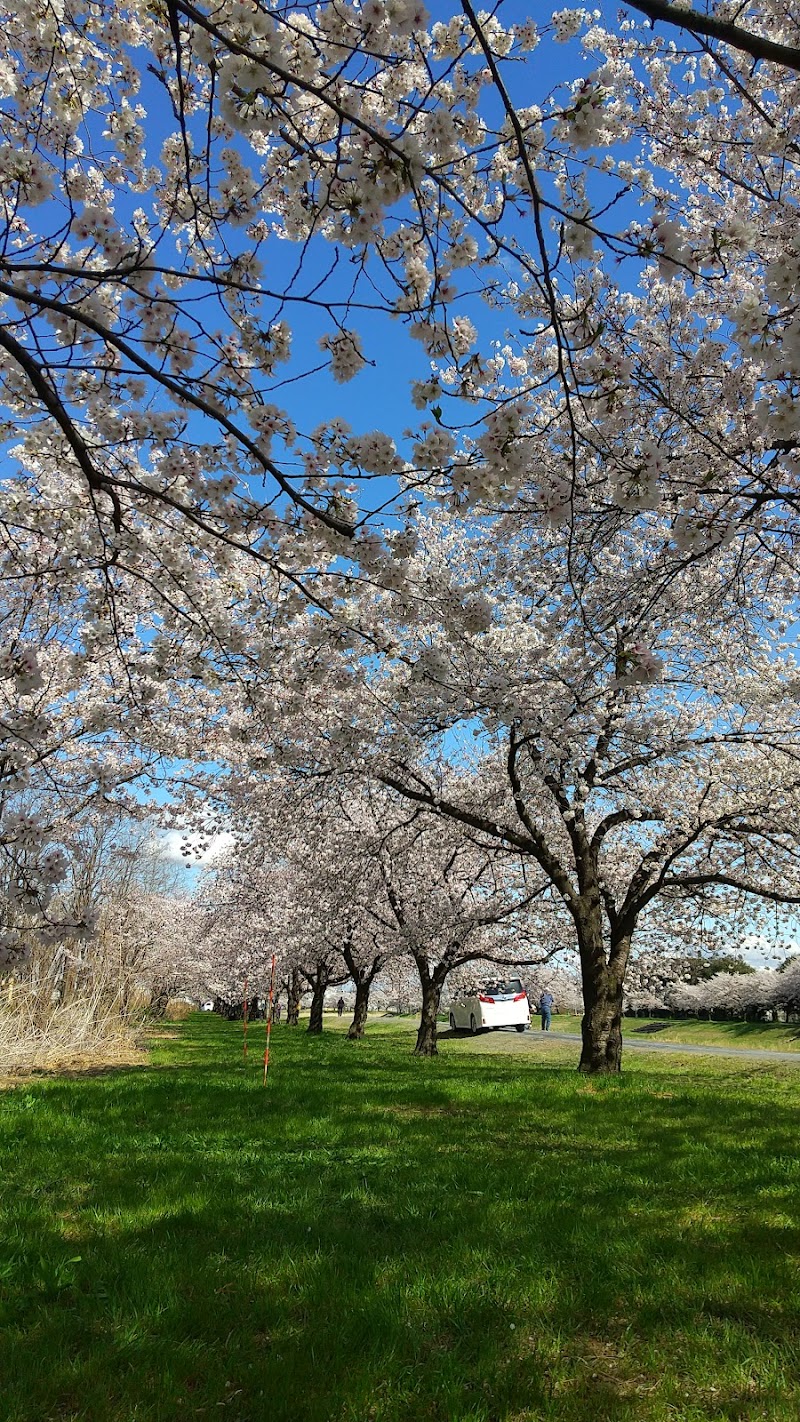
<point x="762" y="1036"/>
<point x="374" y="1238"/>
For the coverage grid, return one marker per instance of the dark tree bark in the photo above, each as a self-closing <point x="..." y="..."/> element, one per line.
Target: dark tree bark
<point x="158" y="1003"/>
<point x="231" y="1011"/>
<point x="319" y="985"/>
<point x="603" y="976"/>
<point x="294" y="991"/>
<point x="601" y="1028"/>
<point x="427" y="1032"/>
<point x="363" y="977"/>
<point x="431" y="984"/>
<point x="356" y="1028"/>
<point x="319" y="981"/>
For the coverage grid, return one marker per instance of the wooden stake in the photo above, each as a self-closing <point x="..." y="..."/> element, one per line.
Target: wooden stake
<point x="269" y="1018"/>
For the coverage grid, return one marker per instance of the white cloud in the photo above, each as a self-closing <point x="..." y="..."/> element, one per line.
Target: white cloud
<point x="173" y="842"/>
<point x="761" y="951"/>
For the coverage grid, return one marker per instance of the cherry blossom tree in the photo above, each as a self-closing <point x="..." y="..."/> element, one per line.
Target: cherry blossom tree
<point x="409" y="893"/>
<point x="293" y="986"/>
<point x="733" y="995"/>
<point x="231" y="953"/>
<point x="438" y="898"/>
<point x="334" y="851"/>
<point x="757" y="992"/>
<point x="630" y="758"/>
<point x="291" y="885"/>
<point x="787" y="992"/>
<point x="171" y="923"/>
<point x="209" y="216"/>
<point x="273" y="916"/>
<point x="203" y="207"/>
<point x="79" y="991"/>
<point x="350" y="882"/>
<point x="403" y="994"/>
<point x="70" y="752"/>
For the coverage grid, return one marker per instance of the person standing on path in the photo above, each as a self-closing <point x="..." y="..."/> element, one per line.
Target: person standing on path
<point x="546" y="1009"/>
<point x="340" y="1006"/>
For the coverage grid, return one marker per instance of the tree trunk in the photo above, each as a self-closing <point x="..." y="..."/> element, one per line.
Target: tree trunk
<point x="426" y="1036"/>
<point x="601" y="1028"/>
<point x="230" y="1011"/>
<point x="320" y="983"/>
<point x="158" y="1003"/>
<point x="356" y="1028"/>
<point x="294" y="991"/>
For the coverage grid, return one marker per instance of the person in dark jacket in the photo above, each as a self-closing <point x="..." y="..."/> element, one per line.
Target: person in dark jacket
<point x="546" y="1009"/>
<point x="340" y="1006"/>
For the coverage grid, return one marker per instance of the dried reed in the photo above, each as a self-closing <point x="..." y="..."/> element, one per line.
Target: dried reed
<point x="36" y="1034"/>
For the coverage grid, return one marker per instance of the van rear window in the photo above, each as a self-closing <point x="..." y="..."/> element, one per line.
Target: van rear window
<point x="506" y="989"/>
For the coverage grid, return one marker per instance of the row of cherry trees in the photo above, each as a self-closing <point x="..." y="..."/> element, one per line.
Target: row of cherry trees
<point x="357" y="890"/>
<point x="640" y="775"/>
<point x="553" y="620"/>
<point x="736" y="995"/>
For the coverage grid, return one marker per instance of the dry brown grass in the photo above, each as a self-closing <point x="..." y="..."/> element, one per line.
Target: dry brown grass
<point x="83" y="1035"/>
<point x="177" y="1010"/>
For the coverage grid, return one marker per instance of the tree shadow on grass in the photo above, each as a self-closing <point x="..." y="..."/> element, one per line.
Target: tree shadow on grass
<point x="379" y="1238"/>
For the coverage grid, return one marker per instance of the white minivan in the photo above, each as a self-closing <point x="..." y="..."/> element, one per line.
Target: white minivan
<point x="498" y="1004"/>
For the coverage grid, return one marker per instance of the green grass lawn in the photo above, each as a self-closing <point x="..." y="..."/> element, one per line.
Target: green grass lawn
<point x="769" y="1036"/>
<point x="478" y="1238"/>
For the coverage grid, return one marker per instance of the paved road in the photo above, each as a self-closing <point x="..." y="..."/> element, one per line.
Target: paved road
<point x="523" y="1041"/>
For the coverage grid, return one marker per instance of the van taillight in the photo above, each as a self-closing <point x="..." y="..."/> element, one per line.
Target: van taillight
<point x="483" y="998"/>
<point x="520" y="996"/>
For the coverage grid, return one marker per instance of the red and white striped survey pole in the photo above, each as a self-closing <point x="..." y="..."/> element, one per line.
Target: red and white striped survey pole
<point x="269" y="1018"/>
<point x="245" y="1016"/>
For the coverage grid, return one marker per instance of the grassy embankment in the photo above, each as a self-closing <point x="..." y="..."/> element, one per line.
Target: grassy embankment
<point x="763" y="1036"/>
<point x="379" y="1239"/>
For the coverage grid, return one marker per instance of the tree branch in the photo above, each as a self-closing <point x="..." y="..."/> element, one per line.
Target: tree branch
<point x="696" y="881"/>
<point x="724" y="30"/>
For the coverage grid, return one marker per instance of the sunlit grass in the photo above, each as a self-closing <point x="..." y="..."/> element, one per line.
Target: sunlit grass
<point x="478" y="1238"/>
<point x="769" y="1036"/>
<point x="762" y="1036"/>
